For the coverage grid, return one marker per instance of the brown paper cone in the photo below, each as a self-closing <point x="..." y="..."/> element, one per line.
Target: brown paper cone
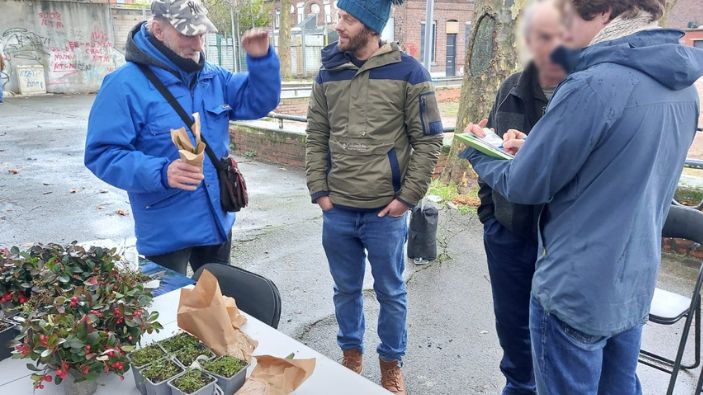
<point x="277" y="376"/>
<point x="181" y="140"/>
<point x="191" y="158"/>
<point x="208" y="315"/>
<point x="193" y="155"/>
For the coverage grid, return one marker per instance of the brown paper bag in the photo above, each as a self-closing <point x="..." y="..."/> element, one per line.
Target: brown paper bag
<point x="188" y="153"/>
<point x="277" y="376"/>
<point x="214" y="319"/>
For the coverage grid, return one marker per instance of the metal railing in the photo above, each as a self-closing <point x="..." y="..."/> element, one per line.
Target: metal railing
<point x="690" y="163"/>
<point x="299" y="118"/>
<point x="286" y="117"/>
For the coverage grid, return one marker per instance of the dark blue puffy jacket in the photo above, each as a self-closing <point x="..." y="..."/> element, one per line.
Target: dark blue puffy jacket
<point x="129" y="142"/>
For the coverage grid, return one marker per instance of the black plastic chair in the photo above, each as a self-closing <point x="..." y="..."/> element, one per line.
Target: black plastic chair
<point x="254" y="294"/>
<point x="669" y="308"/>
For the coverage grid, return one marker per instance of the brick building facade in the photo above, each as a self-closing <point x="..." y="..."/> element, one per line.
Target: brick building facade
<point x="452" y="28"/>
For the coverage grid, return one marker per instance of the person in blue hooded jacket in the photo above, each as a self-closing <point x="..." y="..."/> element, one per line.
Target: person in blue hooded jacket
<point x="605" y="160"/>
<point x="176" y="206"/>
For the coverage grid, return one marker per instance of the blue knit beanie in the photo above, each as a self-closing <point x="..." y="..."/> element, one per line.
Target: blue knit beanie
<point x="373" y="14"/>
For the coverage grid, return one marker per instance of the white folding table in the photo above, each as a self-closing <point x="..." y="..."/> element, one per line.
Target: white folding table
<point x="329" y="377"/>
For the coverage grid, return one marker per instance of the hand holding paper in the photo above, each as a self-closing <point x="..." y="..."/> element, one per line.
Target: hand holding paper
<point x="193" y="155"/>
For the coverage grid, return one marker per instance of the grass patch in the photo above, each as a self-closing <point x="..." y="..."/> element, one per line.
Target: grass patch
<point x="465" y="202"/>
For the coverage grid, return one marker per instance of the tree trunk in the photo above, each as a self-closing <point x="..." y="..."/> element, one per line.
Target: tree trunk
<point x="670" y="4"/>
<point x="491" y="57"/>
<point x="284" y="39"/>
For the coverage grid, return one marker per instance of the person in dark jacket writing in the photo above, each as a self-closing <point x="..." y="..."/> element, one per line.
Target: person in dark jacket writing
<point x="604" y="160"/>
<point x="176" y="206"/>
<point x="510" y="230"/>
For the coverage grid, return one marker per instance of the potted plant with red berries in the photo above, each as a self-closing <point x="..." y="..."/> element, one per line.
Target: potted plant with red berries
<point x="74" y="339"/>
<point x="16" y="275"/>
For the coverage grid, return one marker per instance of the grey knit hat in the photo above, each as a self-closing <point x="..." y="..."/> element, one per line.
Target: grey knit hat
<point x="189" y="17"/>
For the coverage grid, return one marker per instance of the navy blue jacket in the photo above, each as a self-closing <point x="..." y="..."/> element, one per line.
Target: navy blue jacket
<point x="129" y="142"/>
<point x="606" y="159"/>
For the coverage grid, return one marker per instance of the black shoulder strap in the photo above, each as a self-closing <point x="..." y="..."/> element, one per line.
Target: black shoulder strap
<point x="178" y="108"/>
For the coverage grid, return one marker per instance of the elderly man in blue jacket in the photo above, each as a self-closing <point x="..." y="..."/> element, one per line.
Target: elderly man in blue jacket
<point x="176" y="206"/>
<point x="605" y="160"/>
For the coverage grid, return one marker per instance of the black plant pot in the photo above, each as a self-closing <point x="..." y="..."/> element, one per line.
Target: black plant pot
<point x="8" y="332"/>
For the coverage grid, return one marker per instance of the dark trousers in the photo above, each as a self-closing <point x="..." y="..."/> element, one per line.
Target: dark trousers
<point x="197" y="256"/>
<point x="511" y="265"/>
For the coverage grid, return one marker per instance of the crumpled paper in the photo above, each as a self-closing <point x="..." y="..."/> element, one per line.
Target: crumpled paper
<point x="188" y="153"/>
<point x="277" y="376"/>
<point x="215" y="319"/>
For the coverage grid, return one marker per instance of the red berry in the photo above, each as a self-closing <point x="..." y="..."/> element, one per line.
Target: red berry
<point x="47" y="378"/>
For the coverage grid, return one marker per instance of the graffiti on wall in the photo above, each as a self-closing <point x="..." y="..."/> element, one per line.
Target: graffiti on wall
<point x="75" y="56"/>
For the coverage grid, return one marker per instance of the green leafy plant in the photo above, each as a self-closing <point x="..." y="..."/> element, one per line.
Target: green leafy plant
<point x="224" y="366"/>
<point x="181" y="340"/>
<point x="84" y="313"/>
<point x="16" y="277"/>
<point x="146" y="355"/>
<point x="192" y="380"/>
<point x="187" y="355"/>
<point x="161" y="371"/>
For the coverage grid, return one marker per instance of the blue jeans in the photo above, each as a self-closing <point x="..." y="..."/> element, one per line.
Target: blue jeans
<point x="347" y="237"/>
<point x="511" y="265"/>
<point x="568" y="361"/>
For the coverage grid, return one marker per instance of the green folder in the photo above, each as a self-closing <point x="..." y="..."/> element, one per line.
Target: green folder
<point x="483" y="146"/>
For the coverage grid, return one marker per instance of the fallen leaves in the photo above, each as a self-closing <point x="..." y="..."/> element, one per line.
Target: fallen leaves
<point x="13" y="171"/>
<point x="122" y="212"/>
<point x="74" y="190"/>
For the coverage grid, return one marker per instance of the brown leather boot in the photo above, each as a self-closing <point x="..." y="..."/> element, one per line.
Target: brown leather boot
<point x="392" y="377"/>
<point x="353" y="361"/>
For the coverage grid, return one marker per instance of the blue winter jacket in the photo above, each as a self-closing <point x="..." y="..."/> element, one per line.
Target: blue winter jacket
<point x="605" y="158"/>
<point x="129" y="142"/>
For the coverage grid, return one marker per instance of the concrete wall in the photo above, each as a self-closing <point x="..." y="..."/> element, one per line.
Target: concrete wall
<point x="74" y="42"/>
<point x="123" y="20"/>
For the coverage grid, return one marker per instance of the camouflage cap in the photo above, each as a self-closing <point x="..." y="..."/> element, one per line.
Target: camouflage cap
<point x="189" y="17"/>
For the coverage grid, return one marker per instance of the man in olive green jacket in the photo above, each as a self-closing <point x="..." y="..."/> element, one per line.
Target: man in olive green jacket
<point x="373" y="138"/>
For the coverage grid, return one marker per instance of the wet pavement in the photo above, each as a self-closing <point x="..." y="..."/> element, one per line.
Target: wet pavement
<point x="47" y="195"/>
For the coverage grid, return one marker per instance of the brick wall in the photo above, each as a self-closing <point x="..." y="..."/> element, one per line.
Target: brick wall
<point x="683" y="247"/>
<point x="409" y="16"/>
<point x="293" y="106"/>
<point x="269" y="144"/>
<point x="692" y="35"/>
